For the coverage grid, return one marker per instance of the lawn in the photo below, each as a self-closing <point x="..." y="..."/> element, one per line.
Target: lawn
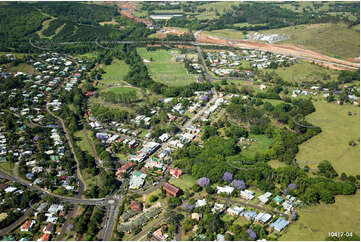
<point x="184" y="182"/>
<point x="304" y="71"/>
<point x="22" y="67"/>
<point x="7" y="167"/>
<point x="226" y="33"/>
<point x="338" y="128"/>
<point x="315" y="222"/>
<point x="82" y="142"/>
<point x="115" y="72"/>
<point x="261" y="145"/>
<point x="163" y="67"/>
<point x="336" y="40"/>
<point x="45" y="25"/>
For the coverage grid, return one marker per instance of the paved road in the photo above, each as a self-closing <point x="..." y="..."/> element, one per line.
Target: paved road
<point x="72" y="200"/>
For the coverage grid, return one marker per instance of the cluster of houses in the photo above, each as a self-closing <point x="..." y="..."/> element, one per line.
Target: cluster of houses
<point x="51" y="214"/>
<point x="53" y="72"/>
<point x="262" y="218"/>
<point x="229" y="63"/>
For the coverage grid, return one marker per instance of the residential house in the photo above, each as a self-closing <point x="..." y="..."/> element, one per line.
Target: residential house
<point x="176" y="172"/>
<point x="159" y="236"/>
<point x="49" y="228"/>
<point x="263" y="218"/>
<point x="235" y="211"/>
<point x="247" y="194"/>
<point x="45" y="237"/>
<point x="278" y="199"/>
<point x="201" y="203"/>
<point x="218" y="208"/>
<point x="264" y="197"/>
<point x="136" y="205"/>
<point x="196" y="216"/>
<point x="137" y="180"/>
<point x="171" y="190"/>
<point x="249" y="215"/>
<point x="225" y="189"/>
<point x="280" y="224"/>
<point x="27" y="226"/>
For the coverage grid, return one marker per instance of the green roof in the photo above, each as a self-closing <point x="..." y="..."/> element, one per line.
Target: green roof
<point x="54" y="157"/>
<point x="278" y="199"/>
<point x="138" y="173"/>
<point x="8" y="238"/>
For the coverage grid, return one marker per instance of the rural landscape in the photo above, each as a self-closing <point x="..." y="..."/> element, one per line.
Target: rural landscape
<point x="180" y="121"/>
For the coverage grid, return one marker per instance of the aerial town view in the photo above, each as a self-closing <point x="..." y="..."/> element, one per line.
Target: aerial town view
<point x="180" y="121"/>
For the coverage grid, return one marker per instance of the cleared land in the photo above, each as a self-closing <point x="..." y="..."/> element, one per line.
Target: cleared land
<point x="338" y="128"/>
<point x="336" y="40"/>
<point x="304" y="71"/>
<point x="115" y="72"/>
<point x="315" y="222"/>
<point x="226" y="33"/>
<point x="164" y="68"/>
<point x="23" y="67"/>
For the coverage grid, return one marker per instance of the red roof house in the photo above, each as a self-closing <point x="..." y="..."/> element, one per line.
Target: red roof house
<point x="135" y="205"/>
<point x="45" y="237"/>
<point x="171" y="190"/>
<point x="176" y="172"/>
<point x="26" y="227"/>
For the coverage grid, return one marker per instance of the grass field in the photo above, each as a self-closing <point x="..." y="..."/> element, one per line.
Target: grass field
<point x="315" y="222"/>
<point x="165" y="69"/>
<point x="226" y="33"/>
<point x="23" y="67"/>
<point x="338" y="128"/>
<point x="220" y="6"/>
<point x="122" y="90"/>
<point x="335" y="40"/>
<point x="262" y="143"/>
<point x="184" y="182"/>
<point x="304" y="71"/>
<point x="45" y="25"/>
<point x="115" y="72"/>
<point x="82" y="142"/>
<point x="7" y="167"/>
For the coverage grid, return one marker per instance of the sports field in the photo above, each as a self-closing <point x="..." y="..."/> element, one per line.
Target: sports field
<point x="163" y="67"/>
<point x="122" y="90"/>
<point x="336" y="40"/>
<point x="304" y="71"/>
<point x="315" y="222"/>
<point x="338" y="128"/>
<point x="115" y="72"/>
